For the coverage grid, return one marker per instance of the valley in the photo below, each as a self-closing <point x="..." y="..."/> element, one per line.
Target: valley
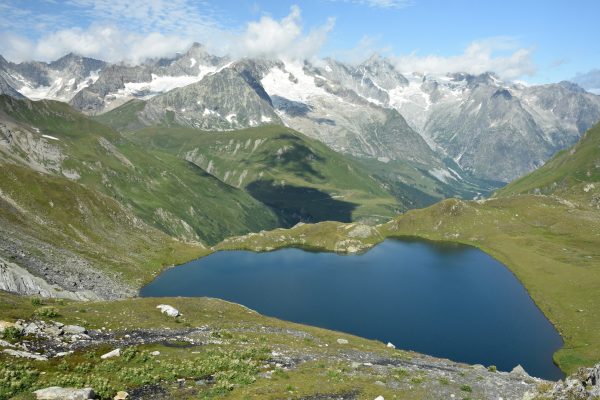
<point x="114" y="173"/>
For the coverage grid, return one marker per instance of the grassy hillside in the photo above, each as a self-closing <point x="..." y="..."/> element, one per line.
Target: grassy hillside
<point x="220" y="350"/>
<point x="56" y="221"/>
<point x="298" y="178"/>
<point x="165" y="191"/>
<point x="123" y="118"/>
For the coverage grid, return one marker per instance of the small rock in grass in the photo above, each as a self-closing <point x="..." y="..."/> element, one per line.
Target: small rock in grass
<point x="390" y="345"/>
<point x="155" y="353"/>
<point x="121" y="395"/>
<point x="379" y="398"/>
<point x="168" y="310"/>
<point x="111" y="354"/>
<point x="59" y="393"/>
<point x="342" y="341"/>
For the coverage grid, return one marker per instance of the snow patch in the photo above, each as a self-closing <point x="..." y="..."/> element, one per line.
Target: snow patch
<point x="277" y="82"/>
<point x="192" y="62"/>
<point x="50" y="137"/>
<point x="441" y="175"/>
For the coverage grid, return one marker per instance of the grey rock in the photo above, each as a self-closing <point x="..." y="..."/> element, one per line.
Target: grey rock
<point x="53" y="330"/>
<point x="59" y="393"/>
<point x="519" y="371"/>
<point x="25" y="354"/>
<point x="74" y="329"/>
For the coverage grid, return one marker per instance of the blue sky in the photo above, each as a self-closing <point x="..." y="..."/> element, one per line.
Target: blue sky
<point x="532" y="40"/>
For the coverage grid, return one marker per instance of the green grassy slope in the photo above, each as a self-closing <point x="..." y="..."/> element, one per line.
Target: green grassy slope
<point x="165" y="191"/>
<point x="410" y="184"/>
<point x="41" y="208"/>
<point x="236" y="354"/>
<point x="123" y="118"/>
<point x="300" y="179"/>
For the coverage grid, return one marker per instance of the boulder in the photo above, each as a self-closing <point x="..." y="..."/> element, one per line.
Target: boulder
<point x="74" y="330"/>
<point x="111" y="354"/>
<point x="59" y="393"/>
<point x="31" y="329"/>
<point x="169" y="310"/>
<point x="390" y="345"/>
<point x="53" y="330"/>
<point x="342" y="341"/>
<point x="121" y="395"/>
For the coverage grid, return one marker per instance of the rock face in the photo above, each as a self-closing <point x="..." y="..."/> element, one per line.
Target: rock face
<point x="16" y="279"/>
<point x="59" y="393"/>
<point x="58" y="80"/>
<point x="225" y="100"/>
<point x="335" y="105"/>
<point x="116" y="84"/>
<point x="583" y="385"/>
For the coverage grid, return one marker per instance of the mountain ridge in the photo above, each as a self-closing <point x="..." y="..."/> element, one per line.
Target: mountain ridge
<point x="350" y="108"/>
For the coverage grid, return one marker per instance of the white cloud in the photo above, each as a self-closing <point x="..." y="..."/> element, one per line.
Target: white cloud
<point x="134" y="30"/>
<point x="281" y="38"/>
<point x="396" y="4"/>
<point x="500" y="55"/>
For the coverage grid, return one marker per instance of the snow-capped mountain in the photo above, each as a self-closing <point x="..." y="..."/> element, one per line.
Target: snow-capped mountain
<point x="490" y="128"/>
<point x="120" y="83"/>
<point x="59" y="80"/>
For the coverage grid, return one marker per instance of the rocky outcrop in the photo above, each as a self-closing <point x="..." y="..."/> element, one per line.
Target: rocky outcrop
<point x="583" y="385"/>
<point x="16" y="279"/>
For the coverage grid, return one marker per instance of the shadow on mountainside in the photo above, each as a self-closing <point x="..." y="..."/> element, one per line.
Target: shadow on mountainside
<point x="294" y="204"/>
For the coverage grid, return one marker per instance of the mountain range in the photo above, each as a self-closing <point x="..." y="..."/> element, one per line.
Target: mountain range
<point x="457" y="127"/>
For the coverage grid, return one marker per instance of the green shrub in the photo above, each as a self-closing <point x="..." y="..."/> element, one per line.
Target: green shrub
<point x="15" y="379"/>
<point x="466" y="388"/>
<point x="492" y="368"/>
<point x="12" y="334"/>
<point x="37" y="302"/>
<point x="48" y="312"/>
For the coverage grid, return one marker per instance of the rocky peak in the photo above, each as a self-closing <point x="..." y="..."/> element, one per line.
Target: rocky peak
<point x="75" y="62"/>
<point x="572" y="86"/>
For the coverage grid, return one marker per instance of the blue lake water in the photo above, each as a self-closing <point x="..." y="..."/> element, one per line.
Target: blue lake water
<point x="445" y="300"/>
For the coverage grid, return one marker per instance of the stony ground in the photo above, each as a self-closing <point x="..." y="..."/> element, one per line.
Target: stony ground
<point x="221" y="350"/>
